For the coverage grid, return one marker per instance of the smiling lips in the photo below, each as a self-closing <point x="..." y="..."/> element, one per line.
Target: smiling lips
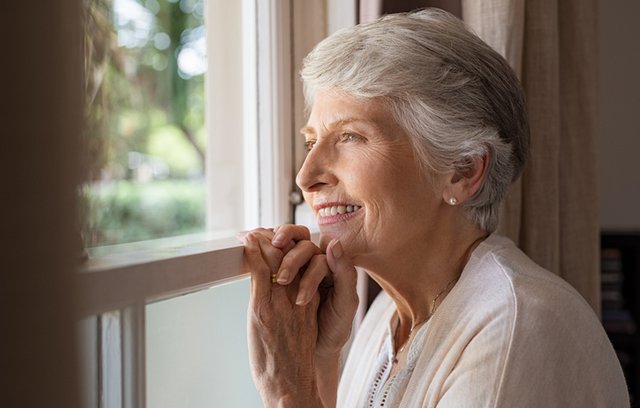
<point x="334" y="213"/>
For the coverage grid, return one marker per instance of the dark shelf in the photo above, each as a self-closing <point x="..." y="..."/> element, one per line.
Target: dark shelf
<point x="620" y="268"/>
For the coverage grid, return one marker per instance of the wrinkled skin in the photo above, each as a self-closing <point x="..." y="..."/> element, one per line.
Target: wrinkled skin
<point x="298" y="326"/>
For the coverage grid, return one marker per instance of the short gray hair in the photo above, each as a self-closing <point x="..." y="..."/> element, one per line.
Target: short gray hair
<point x="454" y="96"/>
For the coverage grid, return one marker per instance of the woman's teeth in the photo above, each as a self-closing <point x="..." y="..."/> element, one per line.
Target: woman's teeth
<point x="337" y="209"/>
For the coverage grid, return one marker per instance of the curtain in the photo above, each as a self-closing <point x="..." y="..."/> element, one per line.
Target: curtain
<point x="551" y="212"/>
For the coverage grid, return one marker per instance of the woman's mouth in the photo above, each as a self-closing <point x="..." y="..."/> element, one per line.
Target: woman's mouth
<point x="335" y="213"/>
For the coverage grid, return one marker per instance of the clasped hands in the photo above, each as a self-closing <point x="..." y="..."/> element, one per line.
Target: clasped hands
<point x="298" y="325"/>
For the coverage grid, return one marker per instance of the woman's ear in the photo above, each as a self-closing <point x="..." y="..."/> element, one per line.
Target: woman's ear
<point x="467" y="179"/>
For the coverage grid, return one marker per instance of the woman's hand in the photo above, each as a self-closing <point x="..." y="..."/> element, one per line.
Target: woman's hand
<point x="280" y="327"/>
<point x="332" y="275"/>
<point x="282" y="334"/>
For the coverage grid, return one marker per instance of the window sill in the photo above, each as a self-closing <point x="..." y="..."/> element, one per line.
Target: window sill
<point x="139" y="273"/>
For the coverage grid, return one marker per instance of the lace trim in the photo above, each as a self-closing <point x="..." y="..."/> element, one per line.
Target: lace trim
<point x="385" y="390"/>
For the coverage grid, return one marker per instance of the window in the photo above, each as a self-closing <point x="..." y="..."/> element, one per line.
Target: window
<point x="163" y="321"/>
<point x="145" y="139"/>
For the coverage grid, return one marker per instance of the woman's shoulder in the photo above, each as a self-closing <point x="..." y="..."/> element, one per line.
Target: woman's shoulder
<point x="503" y="291"/>
<point x="554" y="335"/>
<point x="528" y="329"/>
<point x="507" y="276"/>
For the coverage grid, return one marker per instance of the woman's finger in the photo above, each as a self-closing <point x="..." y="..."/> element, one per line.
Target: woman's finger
<point x="316" y="272"/>
<point x="267" y="232"/>
<point x="343" y="273"/>
<point x="272" y="255"/>
<point x="295" y="259"/>
<point x="287" y="233"/>
<point x="259" y="270"/>
<point x="334" y="268"/>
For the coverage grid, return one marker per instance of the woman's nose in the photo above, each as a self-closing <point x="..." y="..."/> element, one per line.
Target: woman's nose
<point x="316" y="171"/>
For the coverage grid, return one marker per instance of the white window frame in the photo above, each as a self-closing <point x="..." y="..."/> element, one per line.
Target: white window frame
<point x="123" y="283"/>
<point x="118" y="286"/>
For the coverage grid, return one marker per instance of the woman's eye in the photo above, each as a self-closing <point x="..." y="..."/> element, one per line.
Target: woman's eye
<point x="309" y="144"/>
<point x="349" y="137"/>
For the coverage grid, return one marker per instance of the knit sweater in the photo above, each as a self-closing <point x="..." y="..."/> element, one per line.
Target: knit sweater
<point x="509" y="334"/>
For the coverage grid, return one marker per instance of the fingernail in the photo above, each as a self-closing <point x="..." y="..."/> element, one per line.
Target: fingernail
<point x="277" y="240"/>
<point x="336" y="249"/>
<point x="283" y="276"/>
<point x="301" y="299"/>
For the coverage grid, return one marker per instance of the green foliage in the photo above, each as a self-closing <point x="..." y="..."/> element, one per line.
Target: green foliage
<point x="168" y="144"/>
<point x="125" y="211"/>
<point x="141" y="105"/>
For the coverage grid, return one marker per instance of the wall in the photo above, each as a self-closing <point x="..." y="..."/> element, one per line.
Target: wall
<point x="41" y="112"/>
<point x="619" y="133"/>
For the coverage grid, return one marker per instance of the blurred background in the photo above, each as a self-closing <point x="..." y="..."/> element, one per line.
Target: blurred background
<point x="145" y="136"/>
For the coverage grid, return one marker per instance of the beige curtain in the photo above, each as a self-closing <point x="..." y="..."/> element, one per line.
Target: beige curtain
<point x="552" y="211"/>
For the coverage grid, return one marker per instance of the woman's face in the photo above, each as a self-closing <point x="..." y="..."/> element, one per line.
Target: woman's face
<point x="362" y="179"/>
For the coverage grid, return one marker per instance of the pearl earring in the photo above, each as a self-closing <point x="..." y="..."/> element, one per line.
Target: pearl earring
<point x="453" y="201"/>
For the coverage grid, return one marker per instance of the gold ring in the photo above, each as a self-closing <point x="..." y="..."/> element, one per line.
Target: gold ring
<point x="274" y="278"/>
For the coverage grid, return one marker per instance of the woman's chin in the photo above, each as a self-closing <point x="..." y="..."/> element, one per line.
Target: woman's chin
<point x="346" y="240"/>
<point x="325" y="239"/>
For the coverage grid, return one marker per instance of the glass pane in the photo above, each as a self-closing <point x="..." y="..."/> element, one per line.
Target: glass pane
<point x="145" y="137"/>
<point x="196" y="350"/>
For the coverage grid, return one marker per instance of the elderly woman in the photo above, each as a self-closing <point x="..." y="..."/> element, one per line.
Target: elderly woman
<point x="417" y="128"/>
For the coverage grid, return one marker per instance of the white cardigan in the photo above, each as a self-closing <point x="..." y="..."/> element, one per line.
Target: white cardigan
<point x="509" y="334"/>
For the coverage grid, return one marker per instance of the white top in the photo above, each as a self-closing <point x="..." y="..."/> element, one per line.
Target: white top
<point x="509" y="334"/>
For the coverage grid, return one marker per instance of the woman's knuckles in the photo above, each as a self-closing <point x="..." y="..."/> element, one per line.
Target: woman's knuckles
<point x="290" y="232"/>
<point x="265" y="232"/>
<point x="259" y="269"/>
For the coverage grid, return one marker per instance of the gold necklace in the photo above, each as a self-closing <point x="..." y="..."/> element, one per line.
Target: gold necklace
<point x="435" y="299"/>
<point x="431" y="312"/>
<point x="443" y="291"/>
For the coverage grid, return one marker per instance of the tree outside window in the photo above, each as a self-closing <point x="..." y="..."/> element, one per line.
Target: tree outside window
<point x="144" y="136"/>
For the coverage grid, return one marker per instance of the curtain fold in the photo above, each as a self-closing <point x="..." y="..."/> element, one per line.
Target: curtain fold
<point x="551" y="212"/>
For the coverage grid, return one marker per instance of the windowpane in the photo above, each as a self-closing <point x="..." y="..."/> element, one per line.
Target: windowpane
<point x="196" y="350"/>
<point x="145" y="135"/>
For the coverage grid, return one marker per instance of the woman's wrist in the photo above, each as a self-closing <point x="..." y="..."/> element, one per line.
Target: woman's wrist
<point x="327" y="375"/>
<point x="300" y="400"/>
<point x="283" y="393"/>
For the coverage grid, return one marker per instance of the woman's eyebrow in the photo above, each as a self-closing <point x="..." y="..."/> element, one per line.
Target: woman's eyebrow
<point x="339" y="123"/>
<point x="307" y="130"/>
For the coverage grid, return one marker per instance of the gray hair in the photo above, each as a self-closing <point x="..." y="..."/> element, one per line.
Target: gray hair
<point x="454" y="96"/>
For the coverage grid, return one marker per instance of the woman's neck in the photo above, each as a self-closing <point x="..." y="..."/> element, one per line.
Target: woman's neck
<point x="420" y="275"/>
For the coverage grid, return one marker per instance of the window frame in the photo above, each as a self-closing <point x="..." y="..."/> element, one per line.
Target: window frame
<point x="129" y="273"/>
<point x="114" y="289"/>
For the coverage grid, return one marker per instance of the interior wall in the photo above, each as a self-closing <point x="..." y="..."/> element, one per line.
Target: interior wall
<point x="42" y="111"/>
<point x="619" y="104"/>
